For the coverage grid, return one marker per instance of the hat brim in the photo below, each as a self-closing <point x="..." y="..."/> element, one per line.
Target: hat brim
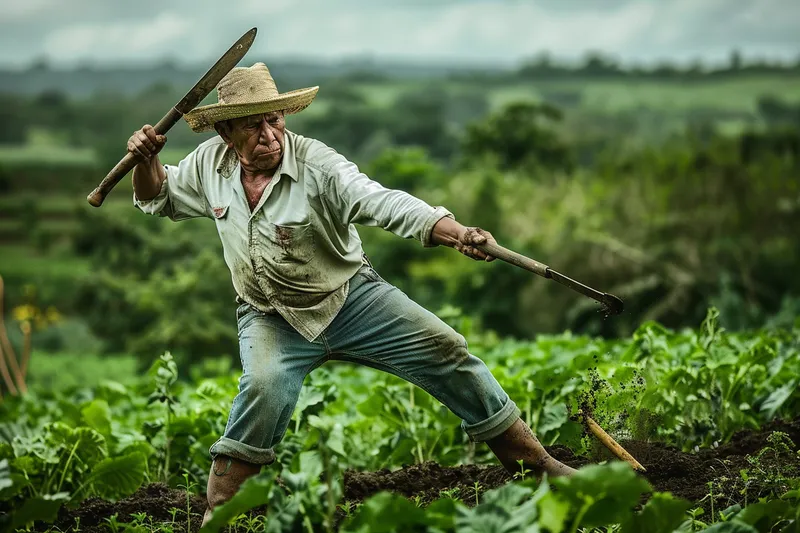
<point x="203" y="118"/>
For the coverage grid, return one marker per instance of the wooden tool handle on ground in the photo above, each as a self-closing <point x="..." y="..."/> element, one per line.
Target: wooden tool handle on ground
<point x="612" y="445"/>
<point x="126" y="164"/>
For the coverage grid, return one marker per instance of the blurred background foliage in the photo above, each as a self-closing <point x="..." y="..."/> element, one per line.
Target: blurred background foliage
<point x="673" y="189"/>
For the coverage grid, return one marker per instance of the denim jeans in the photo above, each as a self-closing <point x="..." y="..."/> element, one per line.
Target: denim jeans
<point x="378" y="326"/>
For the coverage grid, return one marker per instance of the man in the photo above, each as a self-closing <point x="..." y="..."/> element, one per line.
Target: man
<point x="284" y="206"/>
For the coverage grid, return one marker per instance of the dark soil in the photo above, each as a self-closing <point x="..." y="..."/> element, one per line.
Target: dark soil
<point x="160" y="502"/>
<point x="686" y="475"/>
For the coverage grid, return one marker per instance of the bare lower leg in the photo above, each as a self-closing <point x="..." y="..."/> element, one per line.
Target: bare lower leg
<point x="519" y="442"/>
<point x="226" y="476"/>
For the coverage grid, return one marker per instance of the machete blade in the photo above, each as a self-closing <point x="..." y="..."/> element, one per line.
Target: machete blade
<point x="211" y="78"/>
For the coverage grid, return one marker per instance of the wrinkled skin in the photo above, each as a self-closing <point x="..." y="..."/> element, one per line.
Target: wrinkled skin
<point x="259" y="142"/>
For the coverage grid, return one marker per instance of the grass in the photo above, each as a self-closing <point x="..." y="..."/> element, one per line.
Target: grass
<point x="31" y="153"/>
<point x="57" y="371"/>
<point x="739" y="94"/>
<point x="23" y="261"/>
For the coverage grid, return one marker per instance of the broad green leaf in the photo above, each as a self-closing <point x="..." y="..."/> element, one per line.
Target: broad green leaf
<point x="763" y="515"/>
<point x="310" y="464"/>
<point x="777" y="398"/>
<point x="662" y="514"/>
<point x="442" y="513"/>
<point x="83" y="443"/>
<point x="372" y="406"/>
<point x="97" y="415"/>
<point x="284" y="513"/>
<point x="308" y="396"/>
<point x="608" y="492"/>
<point x="30" y="465"/>
<point x="18" y="484"/>
<point x="335" y="440"/>
<point x="553" y="512"/>
<point x="118" y="477"/>
<point x="5" y="475"/>
<point x="254" y="492"/>
<point x="385" y="513"/>
<point x="44" y="508"/>
<point x="506" y="497"/>
<point x="505" y="509"/>
<point x="730" y="527"/>
<point x="553" y="417"/>
<point x="111" y="391"/>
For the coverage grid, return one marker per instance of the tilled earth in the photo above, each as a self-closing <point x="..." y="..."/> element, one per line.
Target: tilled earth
<point x="686" y="475"/>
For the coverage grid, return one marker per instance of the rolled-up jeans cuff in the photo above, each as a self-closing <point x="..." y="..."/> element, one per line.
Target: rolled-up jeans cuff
<point x="242" y="451"/>
<point x="495" y="425"/>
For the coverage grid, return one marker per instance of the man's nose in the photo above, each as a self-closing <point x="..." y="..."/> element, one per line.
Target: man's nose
<point x="266" y="131"/>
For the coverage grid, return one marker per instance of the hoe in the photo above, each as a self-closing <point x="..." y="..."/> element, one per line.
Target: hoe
<point x="611" y="305"/>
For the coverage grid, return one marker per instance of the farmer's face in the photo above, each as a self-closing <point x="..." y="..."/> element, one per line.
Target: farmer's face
<point x="258" y="139"/>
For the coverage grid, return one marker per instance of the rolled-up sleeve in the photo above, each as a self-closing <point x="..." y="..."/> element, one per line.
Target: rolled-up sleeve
<point x="181" y="196"/>
<point x="355" y="198"/>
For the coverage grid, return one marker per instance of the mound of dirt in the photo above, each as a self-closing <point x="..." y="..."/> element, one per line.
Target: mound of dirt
<point x="686" y="475"/>
<point x="157" y="500"/>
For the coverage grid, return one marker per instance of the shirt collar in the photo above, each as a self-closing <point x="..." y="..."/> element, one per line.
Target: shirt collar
<point x="288" y="166"/>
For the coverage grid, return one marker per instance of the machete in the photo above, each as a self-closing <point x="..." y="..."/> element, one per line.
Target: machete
<point x="187" y="103"/>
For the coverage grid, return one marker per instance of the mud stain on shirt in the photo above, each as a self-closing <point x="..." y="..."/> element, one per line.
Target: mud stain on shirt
<point x="284" y="238"/>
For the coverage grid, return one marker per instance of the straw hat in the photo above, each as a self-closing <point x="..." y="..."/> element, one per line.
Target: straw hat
<point x="248" y="91"/>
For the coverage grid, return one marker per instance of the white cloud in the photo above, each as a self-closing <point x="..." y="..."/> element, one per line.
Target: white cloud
<point x="474" y="30"/>
<point x="123" y="40"/>
<point x="20" y="10"/>
<point x="483" y="29"/>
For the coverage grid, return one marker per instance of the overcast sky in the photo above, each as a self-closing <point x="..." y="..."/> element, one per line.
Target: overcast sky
<point x="66" y="32"/>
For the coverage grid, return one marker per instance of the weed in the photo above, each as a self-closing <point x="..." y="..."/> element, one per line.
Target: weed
<point x="477" y="487"/>
<point x="522" y="471"/>
<point x="349" y="507"/>
<point x="452" y="494"/>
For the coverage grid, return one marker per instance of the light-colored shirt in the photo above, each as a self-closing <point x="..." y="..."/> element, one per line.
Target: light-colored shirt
<point x="295" y="252"/>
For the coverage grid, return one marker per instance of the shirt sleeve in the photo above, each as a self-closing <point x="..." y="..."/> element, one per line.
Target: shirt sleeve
<point x="356" y="199"/>
<point x="181" y="196"/>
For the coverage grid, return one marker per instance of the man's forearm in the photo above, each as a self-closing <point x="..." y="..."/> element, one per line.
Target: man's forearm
<point x="447" y="232"/>
<point x="147" y="178"/>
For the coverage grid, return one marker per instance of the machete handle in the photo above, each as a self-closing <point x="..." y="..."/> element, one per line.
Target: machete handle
<point x="126" y="164"/>
<point x="509" y="256"/>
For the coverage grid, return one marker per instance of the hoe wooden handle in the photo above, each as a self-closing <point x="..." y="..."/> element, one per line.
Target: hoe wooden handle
<point x="126" y="164"/>
<point x="510" y="256"/>
<point x="612" y="445"/>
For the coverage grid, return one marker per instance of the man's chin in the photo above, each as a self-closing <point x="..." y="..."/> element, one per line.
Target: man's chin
<point x="268" y="161"/>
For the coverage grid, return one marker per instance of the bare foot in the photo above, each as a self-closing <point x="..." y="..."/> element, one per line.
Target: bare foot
<point x="555" y="468"/>
<point x="519" y="443"/>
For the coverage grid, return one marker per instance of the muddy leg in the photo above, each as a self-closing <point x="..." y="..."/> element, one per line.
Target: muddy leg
<point x="226" y="476"/>
<point x="519" y="442"/>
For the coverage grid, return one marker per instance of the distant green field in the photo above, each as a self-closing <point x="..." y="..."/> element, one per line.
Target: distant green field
<point x="23" y="261"/>
<point x="32" y="153"/>
<point x="593" y="96"/>
<point x="736" y="94"/>
<point x="35" y="153"/>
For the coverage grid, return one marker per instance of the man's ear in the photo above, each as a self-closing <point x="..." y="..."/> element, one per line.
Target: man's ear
<point x="223" y="129"/>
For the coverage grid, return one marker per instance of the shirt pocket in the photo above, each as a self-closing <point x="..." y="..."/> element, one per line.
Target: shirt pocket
<point x="292" y="243"/>
<point x="220" y="212"/>
<point x="219" y="205"/>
